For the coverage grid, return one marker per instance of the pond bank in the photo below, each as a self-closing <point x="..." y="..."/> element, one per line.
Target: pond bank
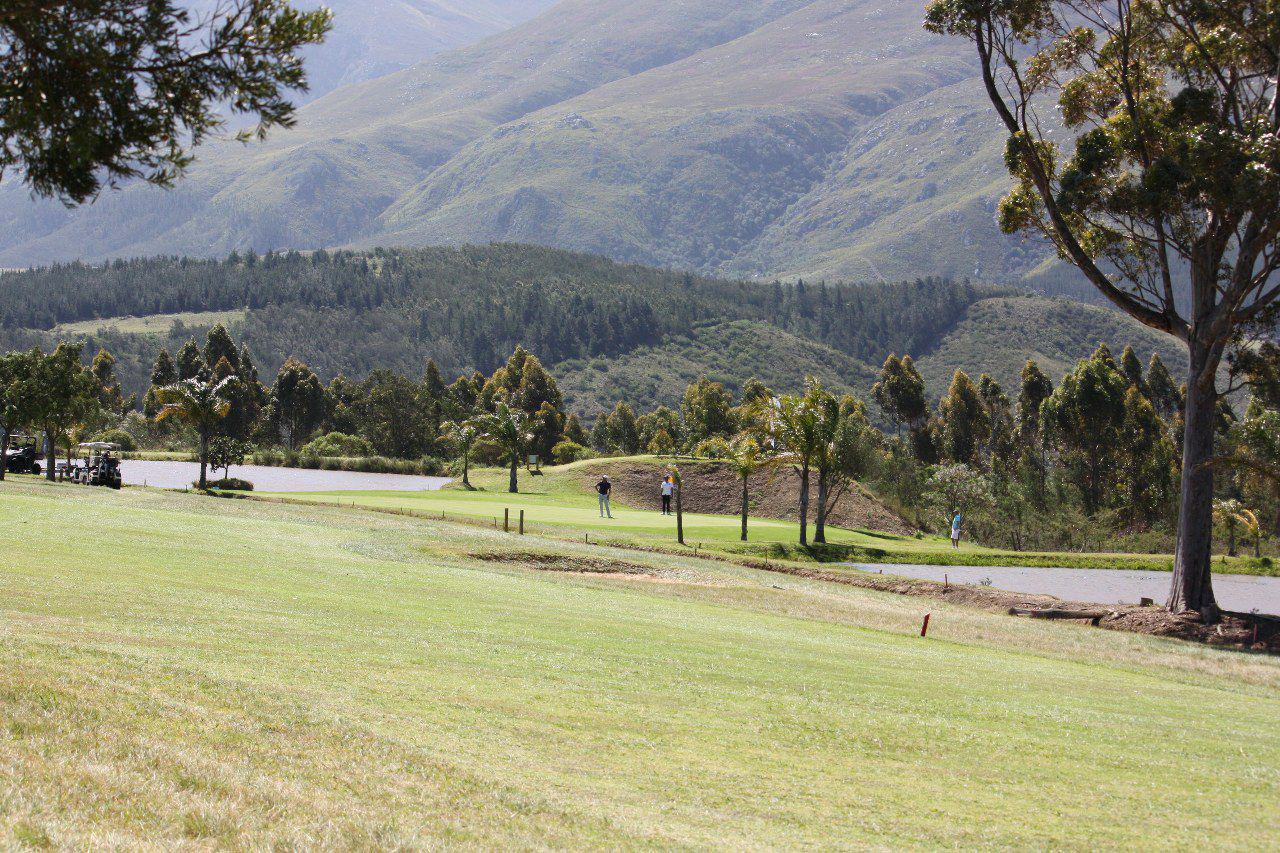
<point x="1240" y="593"/>
<point x="180" y="475"/>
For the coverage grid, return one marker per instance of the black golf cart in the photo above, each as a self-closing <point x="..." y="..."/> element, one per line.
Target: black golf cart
<point x="23" y="456"/>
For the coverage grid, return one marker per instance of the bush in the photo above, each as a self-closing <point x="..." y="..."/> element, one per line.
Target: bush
<point x="118" y="436"/>
<point x="231" y="484"/>
<point x="487" y="452"/>
<point x="713" y="448"/>
<point x="427" y="466"/>
<point x="569" y="451"/>
<point x="338" y="444"/>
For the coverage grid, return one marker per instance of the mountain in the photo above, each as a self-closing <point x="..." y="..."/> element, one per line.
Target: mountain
<point x="609" y="331"/>
<point x="371" y="38"/>
<point x="814" y="138"/>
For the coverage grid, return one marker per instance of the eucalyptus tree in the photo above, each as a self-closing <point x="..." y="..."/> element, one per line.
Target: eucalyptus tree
<point x="1168" y="199"/>
<point x="1085" y="419"/>
<point x="851" y="450"/>
<point x="298" y="401"/>
<point x="201" y="404"/>
<point x="60" y="394"/>
<point x="899" y="392"/>
<point x="966" y="423"/>
<point x="15" y="407"/>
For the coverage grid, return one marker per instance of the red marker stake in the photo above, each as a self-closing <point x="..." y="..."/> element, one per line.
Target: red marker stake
<point x="924" y="629"/>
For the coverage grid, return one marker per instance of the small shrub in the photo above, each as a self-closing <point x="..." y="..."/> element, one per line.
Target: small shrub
<point x="427" y="466"/>
<point x="569" y="451"/>
<point x="231" y="484"/>
<point x="713" y="448"/>
<point x="118" y="436"/>
<point x="338" y="444"/>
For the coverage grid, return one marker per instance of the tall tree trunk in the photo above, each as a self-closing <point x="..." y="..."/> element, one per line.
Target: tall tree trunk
<point x="745" y="505"/>
<point x="820" y="522"/>
<point x="51" y="456"/>
<point x="204" y="458"/>
<point x="513" y="484"/>
<point x="804" y="503"/>
<point x="679" y="514"/>
<point x="4" y="453"/>
<point x="1192" y="586"/>
<point x="466" y="466"/>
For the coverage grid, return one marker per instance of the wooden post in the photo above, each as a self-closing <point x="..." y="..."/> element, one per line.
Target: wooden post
<point x="506" y="520"/>
<point x="924" y="629"/>
<point x="521" y="522"/>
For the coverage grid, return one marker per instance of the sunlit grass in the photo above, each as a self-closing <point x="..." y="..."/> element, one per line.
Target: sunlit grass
<point x="182" y="669"/>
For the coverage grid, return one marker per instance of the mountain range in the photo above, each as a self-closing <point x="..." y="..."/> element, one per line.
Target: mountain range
<point x="825" y="139"/>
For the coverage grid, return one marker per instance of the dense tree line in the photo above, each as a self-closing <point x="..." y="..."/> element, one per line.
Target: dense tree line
<point x="465" y="308"/>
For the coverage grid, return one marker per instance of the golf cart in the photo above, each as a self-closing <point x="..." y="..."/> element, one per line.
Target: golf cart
<point x="23" y="456"/>
<point x="100" y="467"/>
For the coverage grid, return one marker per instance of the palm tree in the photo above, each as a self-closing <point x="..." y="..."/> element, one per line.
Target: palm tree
<point x="794" y="425"/>
<point x="199" y="403"/>
<point x="464" y="436"/>
<point x="1226" y="515"/>
<point x="1254" y="528"/>
<point x="745" y="458"/>
<point x="507" y="427"/>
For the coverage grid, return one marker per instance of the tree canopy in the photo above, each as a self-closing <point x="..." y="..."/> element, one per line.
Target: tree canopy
<point x="101" y="91"/>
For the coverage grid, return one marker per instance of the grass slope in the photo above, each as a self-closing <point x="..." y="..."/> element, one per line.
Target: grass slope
<point x="731" y="353"/>
<point x="153" y="325"/>
<point x="284" y="676"/>
<point x="998" y="335"/>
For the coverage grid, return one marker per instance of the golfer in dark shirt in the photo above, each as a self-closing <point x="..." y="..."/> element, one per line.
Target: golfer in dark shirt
<point x="604" y="487"/>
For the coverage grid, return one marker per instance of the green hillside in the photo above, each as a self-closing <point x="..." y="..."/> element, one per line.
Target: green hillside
<point x="609" y="331"/>
<point x="731" y="353"/>
<point x="815" y="138"/>
<point x="468" y="308"/>
<point x="998" y="335"/>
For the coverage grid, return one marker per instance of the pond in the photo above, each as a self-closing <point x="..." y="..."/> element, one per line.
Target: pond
<point x="180" y="475"/>
<point x="1240" y="593"/>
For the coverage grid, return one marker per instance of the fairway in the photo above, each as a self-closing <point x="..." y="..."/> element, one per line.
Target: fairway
<point x="559" y="503"/>
<point x="247" y="674"/>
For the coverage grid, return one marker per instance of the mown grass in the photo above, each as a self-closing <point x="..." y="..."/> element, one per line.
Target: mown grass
<point x="185" y="670"/>
<point x="558" y="503"/>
